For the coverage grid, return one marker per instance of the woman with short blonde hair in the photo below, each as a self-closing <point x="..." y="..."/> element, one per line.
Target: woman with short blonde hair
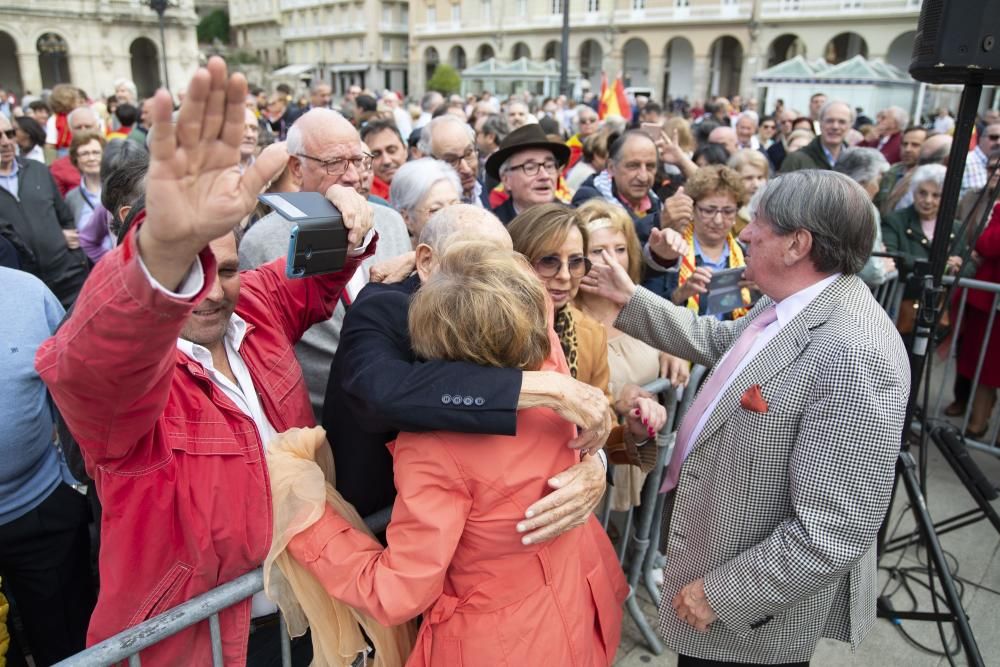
<point x="452" y="552"/>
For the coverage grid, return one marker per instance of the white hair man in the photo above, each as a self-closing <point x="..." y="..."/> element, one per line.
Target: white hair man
<point x="891" y="123"/>
<point x="324" y="150"/>
<point x="451" y="140"/>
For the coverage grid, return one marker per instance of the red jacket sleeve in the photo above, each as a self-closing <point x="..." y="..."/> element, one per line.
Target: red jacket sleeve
<point x="109" y="366"/>
<point x="988" y="244"/>
<point x="396" y="583"/>
<point x="299" y="303"/>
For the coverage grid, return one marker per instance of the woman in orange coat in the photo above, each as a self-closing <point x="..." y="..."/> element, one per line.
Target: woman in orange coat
<point x="453" y="552"/>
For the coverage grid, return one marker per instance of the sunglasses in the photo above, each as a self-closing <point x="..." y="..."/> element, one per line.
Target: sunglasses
<point x="992" y="137"/>
<point x="550" y="266"/>
<point x="10" y="134"/>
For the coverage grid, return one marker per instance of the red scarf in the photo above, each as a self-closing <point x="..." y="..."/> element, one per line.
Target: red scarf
<point x="63" y="135"/>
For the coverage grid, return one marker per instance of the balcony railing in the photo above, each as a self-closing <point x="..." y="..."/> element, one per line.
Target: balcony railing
<point x="325" y="30"/>
<point x="837" y="8"/>
<point x="393" y="26"/>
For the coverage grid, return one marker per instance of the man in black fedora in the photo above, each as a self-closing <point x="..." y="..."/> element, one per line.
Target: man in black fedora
<point x="528" y="165"/>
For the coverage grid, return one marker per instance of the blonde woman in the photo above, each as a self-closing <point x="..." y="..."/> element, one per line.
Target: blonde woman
<point x="555" y="241"/>
<point x="452" y="556"/>
<point x="631" y="362"/>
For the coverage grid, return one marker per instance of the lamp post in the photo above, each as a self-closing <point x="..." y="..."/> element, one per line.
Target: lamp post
<point x="564" y="52"/>
<point x="160" y="7"/>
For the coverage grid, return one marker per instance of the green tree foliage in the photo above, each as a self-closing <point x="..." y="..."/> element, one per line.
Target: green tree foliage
<point x="214" y="26"/>
<point x="445" y="80"/>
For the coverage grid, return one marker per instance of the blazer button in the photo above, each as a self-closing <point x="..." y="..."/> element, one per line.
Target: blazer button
<point x="467" y="401"/>
<point x="480" y="400"/>
<point x="446" y="399"/>
<point x="456" y="399"/>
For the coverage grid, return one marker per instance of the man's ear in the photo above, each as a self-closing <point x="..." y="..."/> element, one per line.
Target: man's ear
<point x="425" y="261"/>
<point x="295" y="169"/>
<point x="799" y="246"/>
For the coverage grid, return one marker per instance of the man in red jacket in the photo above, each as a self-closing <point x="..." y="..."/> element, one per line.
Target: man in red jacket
<point x="175" y="371"/>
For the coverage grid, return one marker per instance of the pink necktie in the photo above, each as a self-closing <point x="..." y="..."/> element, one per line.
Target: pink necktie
<point x="711" y="388"/>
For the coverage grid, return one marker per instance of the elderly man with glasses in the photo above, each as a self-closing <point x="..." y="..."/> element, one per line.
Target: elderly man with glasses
<point x="528" y="165"/>
<point x="451" y="140"/>
<point x="324" y="150"/>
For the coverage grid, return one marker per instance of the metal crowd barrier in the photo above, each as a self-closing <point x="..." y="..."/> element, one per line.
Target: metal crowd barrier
<point x="890" y="294"/>
<point x="961" y="288"/>
<point x="643" y="559"/>
<point x="644" y="556"/>
<point x="126" y="645"/>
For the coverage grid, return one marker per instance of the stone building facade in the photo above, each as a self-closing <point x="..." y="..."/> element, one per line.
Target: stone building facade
<point x="342" y="42"/>
<point x="679" y="48"/>
<point x="91" y="43"/>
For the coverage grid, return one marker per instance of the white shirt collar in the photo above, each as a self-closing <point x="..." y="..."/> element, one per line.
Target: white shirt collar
<point x="792" y="305"/>
<point x="236" y="329"/>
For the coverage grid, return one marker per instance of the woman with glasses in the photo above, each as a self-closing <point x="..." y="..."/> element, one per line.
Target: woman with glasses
<point x="420" y="189"/>
<point x="85" y="153"/>
<point x="718" y="193"/>
<point x="767" y="131"/>
<point x="555" y="242"/>
<point x="631" y="363"/>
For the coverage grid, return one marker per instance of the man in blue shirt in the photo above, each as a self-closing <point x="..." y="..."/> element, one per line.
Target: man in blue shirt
<point x="44" y="536"/>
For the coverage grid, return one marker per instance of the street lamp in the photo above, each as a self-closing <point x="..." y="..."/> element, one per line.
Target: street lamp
<point x="160" y="7"/>
<point x="564" y="52"/>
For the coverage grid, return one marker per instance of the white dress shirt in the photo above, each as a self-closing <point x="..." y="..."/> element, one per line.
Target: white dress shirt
<point x="786" y="309"/>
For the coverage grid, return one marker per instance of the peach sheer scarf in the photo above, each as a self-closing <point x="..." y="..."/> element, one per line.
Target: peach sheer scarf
<point x="302" y="473"/>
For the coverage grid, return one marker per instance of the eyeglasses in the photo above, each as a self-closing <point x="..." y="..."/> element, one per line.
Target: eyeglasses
<point x="531" y="168"/>
<point x="993" y="137"/>
<point x="469" y="157"/>
<point x="709" y="212"/>
<point x="10" y="134"/>
<point x="550" y="266"/>
<point x="587" y="121"/>
<point x="339" y="166"/>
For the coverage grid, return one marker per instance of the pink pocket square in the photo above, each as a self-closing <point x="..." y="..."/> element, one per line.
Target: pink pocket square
<point x="753" y="400"/>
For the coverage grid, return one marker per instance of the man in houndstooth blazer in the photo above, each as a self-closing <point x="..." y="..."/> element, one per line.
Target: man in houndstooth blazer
<point x="771" y="537"/>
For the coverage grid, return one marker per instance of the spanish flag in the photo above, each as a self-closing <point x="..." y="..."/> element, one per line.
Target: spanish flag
<point x="613" y="102"/>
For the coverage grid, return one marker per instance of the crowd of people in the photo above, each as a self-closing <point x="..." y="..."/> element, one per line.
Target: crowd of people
<point x="518" y="270"/>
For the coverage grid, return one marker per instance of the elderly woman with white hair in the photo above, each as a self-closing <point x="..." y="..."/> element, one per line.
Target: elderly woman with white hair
<point x="909" y="232"/>
<point x="420" y="189"/>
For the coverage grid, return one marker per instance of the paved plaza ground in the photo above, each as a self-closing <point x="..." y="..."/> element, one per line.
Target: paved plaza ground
<point x="975" y="549"/>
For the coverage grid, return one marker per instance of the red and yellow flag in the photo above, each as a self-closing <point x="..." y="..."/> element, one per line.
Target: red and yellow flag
<point x="614" y="101"/>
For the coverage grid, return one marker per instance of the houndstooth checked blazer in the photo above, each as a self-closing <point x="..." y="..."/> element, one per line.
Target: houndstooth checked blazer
<point x="778" y="511"/>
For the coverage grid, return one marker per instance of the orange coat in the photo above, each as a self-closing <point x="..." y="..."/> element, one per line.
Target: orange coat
<point x="454" y="555"/>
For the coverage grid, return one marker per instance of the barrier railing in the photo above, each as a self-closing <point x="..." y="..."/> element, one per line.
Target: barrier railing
<point x="127" y="645"/>
<point x="961" y="291"/>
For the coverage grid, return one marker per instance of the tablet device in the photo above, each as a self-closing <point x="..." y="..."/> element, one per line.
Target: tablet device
<point x="318" y="240"/>
<point x="724" y="293"/>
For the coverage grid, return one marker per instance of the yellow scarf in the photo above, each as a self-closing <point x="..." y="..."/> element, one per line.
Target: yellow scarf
<point x="689" y="264"/>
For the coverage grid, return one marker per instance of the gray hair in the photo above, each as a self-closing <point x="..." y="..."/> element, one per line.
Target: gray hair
<point x="752" y="115"/>
<point x="123" y="176"/>
<point x="424" y="145"/>
<point x="81" y="110"/>
<point x="899" y="114"/>
<point x="862" y="165"/>
<point x="414" y="180"/>
<point x="496" y="125"/>
<point x="830" y="103"/>
<point x="933" y="173"/>
<point x="427" y="102"/>
<point x="837" y="212"/>
<point x="127" y="83"/>
<point x="448" y="224"/>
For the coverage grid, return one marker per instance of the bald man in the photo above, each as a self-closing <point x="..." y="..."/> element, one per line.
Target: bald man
<point x="725" y="137"/>
<point x="67" y="177"/>
<point x="324" y="150"/>
<point x="378" y="387"/>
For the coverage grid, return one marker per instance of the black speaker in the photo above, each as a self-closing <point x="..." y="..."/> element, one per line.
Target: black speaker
<point x="956" y="42"/>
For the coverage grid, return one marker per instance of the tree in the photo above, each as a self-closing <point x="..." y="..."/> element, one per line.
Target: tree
<point x="445" y="80"/>
<point x="214" y="26"/>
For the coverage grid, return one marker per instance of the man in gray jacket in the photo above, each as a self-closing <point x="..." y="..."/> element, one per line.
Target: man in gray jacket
<point x="324" y="149"/>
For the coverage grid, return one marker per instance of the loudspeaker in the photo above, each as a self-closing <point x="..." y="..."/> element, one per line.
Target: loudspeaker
<point x="957" y="42"/>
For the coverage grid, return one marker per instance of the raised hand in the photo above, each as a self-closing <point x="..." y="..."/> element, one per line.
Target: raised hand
<point x="609" y="280"/>
<point x="667" y="244"/>
<point x="195" y="192"/>
<point x="678" y="211"/>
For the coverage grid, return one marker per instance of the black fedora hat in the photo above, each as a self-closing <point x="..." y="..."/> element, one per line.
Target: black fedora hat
<point x="524" y="138"/>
